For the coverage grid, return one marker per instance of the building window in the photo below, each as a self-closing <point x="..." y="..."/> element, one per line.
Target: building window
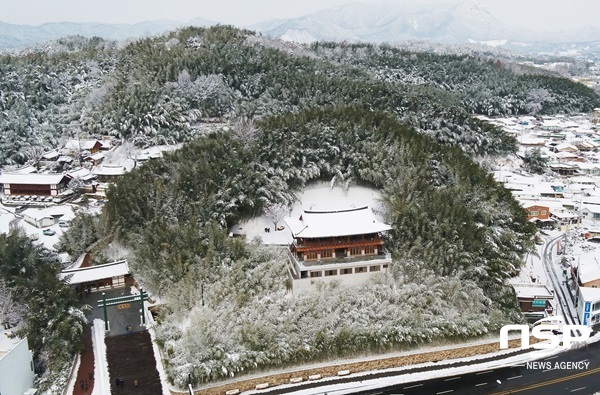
<point x="311" y="255"/>
<point x="362" y="269"/>
<point x="326" y="254"/>
<point x="543" y="212"/>
<point x="355" y="251"/>
<point x="346" y="271"/>
<point x="374" y="268"/>
<point x="330" y="273"/>
<point x="316" y="274"/>
<point x="385" y="266"/>
<point x="369" y="250"/>
<point x="534" y="213"/>
<point x="596" y="306"/>
<point x="596" y="216"/>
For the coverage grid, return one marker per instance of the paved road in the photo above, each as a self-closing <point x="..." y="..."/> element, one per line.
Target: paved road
<point x="552" y="376"/>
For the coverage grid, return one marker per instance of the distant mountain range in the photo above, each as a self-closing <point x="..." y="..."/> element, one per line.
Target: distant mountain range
<point x="21" y="36"/>
<point x="458" y="23"/>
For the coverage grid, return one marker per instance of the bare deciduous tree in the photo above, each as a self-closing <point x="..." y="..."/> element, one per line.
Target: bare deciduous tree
<point x="275" y="212"/>
<point x="11" y="312"/>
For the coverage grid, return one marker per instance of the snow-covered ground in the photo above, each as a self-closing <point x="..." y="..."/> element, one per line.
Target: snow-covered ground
<point x="317" y="196"/>
<point x="8" y="216"/>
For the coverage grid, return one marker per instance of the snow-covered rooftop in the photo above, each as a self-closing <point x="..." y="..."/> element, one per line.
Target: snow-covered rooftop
<point x="110" y="170"/>
<point x="7" y="344"/>
<point x="95" y="273"/>
<point x="31" y="179"/>
<point x="354" y="221"/>
<point x="81" y="144"/>
<point x="532" y="291"/>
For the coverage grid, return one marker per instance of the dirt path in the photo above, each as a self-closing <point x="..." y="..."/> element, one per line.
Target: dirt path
<point x="86" y="367"/>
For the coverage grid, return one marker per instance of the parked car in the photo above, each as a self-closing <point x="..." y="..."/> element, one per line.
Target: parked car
<point x="20" y="209"/>
<point x="49" y="232"/>
<point x="64" y="224"/>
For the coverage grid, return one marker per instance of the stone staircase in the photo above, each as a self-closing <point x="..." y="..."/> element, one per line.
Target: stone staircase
<point x="130" y="357"/>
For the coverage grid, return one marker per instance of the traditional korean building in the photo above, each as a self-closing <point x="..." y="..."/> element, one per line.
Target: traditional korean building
<point x="76" y="145"/>
<point x="34" y="184"/>
<point x="343" y="245"/>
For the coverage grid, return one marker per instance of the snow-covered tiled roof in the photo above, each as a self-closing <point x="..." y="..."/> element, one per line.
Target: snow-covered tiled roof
<point x="96" y="156"/>
<point x="355" y="221"/>
<point x="81" y="144"/>
<point x="32" y="179"/>
<point x="108" y="170"/>
<point x="51" y="155"/>
<point x="95" y="273"/>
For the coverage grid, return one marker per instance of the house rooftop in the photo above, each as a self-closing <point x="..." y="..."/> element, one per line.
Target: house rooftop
<point x="7" y="344"/>
<point x="354" y="221"/>
<point x="32" y="179"/>
<point x="95" y="273"/>
<point x="532" y="291"/>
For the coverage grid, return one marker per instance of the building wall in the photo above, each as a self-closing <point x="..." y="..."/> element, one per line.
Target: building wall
<point x="592" y="284"/>
<point x="34" y="190"/>
<point x="540" y="212"/>
<point x="588" y="311"/>
<point x="354" y="277"/>
<point x="16" y="370"/>
<point x="587" y="214"/>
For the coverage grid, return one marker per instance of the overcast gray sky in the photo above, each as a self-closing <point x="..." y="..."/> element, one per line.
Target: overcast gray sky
<point x="538" y="15"/>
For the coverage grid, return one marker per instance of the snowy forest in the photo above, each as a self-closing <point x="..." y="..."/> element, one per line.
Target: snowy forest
<point x="355" y="114"/>
<point x="457" y="236"/>
<point x="158" y="90"/>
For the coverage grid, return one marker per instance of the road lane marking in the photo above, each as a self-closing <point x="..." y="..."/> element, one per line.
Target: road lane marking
<point x="549" y="382"/>
<point x="487" y="371"/>
<point x="413" y="386"/>
<point x="578" y="389"/>
<point x="556" y="356"/>
<point x="515" y="377"/>
<point x="444" y="392"/>
<point x="547" y="370"/>
<point x="479" y="385"/>
<point x="453" y="378"/>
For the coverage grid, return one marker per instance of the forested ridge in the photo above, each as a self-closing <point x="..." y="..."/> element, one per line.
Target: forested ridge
<point x="157" y="90"/>
<point x="297" y="115"/>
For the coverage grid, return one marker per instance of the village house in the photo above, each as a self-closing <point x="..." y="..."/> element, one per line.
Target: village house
<point x="109" y="172"/>
<point x="590" y="169"/>
<point x="534" y="300"/>
<point x="34" y="184"/>
<point x="590" y="211"/>
<point x="77" y="145"/>
<point x="343" y="245"/>
<point x="588" y="305"/>
<point x="538" y="214"/>
<point x="95" y="159"/>
<point x="585" y="272"/>
<point x="42" y="218"/>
